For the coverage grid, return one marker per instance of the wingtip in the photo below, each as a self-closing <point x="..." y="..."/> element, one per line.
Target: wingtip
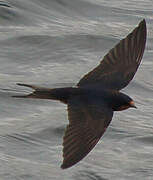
<point x="144" y="29"/>
<point x="63" y="166"/>
<point x="66" y="165"/>
<point x="143" y="23"/>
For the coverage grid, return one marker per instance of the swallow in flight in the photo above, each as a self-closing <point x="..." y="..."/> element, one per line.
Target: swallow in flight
<point x="97" y="95"/>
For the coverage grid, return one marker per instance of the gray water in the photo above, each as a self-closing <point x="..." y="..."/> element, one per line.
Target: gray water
<point x="53" y="43"/>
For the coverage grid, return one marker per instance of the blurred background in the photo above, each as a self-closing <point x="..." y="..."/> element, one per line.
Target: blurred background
<point x="53" y="43"/>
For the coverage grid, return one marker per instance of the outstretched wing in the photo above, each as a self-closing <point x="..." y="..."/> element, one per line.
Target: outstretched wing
<point x="88" y="120"/>
<point x="119" y="66"/>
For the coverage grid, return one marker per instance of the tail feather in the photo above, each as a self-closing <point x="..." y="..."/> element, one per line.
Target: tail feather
<point x="60" y="94"/>
<point x="32" y="86"/>
<point x="39" y="92"/>
<point x="31" y="95"/>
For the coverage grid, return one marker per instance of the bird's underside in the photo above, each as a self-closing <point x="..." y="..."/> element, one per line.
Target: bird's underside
<point x="90" y="115"/>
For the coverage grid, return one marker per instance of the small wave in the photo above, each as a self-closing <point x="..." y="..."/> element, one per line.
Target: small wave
<point x="4" y="5"/>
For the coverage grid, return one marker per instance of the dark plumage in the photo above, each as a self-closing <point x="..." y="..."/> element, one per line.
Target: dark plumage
<point x="97" y="95"/>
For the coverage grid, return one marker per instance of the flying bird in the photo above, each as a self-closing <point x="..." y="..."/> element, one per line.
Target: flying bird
<point x="97" y="95"/>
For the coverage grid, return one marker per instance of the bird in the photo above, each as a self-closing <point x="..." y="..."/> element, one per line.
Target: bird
<point x="92" y="102"/>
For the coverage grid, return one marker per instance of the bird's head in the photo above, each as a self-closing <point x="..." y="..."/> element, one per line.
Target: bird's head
<point x="124" y="102"/>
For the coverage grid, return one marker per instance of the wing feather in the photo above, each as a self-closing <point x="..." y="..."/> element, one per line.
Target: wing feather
<point x="88" y="120"/>
<point x="119" y="66"/>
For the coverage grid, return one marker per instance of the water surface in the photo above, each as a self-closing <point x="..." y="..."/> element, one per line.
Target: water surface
<point x="54" y="43"/>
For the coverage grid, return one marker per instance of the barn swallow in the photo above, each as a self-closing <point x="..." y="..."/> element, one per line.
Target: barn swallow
<point x="97" y="95"/>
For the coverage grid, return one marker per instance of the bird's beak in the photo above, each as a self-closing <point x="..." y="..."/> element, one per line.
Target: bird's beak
<point x="132" y="104"/>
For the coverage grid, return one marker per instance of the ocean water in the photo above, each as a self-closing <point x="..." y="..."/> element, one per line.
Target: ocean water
<point x="53" y="43"/>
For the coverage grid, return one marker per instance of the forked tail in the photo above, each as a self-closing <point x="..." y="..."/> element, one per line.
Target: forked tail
<point x="39" y="92"/>
<point x="61" y="94"/>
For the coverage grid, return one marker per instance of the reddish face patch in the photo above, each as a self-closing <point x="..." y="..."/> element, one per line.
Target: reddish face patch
<point x="132" y="104"/>
<point x="121" y="108"/>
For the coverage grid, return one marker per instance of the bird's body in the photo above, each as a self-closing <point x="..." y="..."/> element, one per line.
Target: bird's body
<point x="115" y="99"/>
<point x="91" y="104"/>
